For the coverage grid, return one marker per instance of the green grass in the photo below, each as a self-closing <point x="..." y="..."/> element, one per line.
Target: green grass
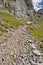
<point x="3" y="8"/>
<point x="41" y="24"/>
<point x="36" y="32"/>
<point x="9" y="20"/>
<point x="23" y="20"/>
<point x="6" y="25"/>
<point x="1" y="28"/>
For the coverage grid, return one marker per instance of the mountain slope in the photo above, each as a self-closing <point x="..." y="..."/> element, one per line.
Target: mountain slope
<point x="19" y="8"/>
<point x="21" y="33"/>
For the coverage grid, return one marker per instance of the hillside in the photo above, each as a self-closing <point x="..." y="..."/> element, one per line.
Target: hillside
<point x="21" y="33"/>
<point x="18" y="8"/>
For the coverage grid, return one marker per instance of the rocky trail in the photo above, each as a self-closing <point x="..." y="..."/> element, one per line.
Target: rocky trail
<point x="17" y="47"/>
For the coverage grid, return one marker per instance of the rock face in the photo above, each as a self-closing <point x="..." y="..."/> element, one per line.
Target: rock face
<point x="23" y="8"/>
<point x="40" y="11"/>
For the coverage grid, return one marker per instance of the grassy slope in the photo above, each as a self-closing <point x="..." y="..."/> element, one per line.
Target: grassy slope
<point x="12" y="22"/>
<point x="9" y="21"/>
<point x="35" y="31"/>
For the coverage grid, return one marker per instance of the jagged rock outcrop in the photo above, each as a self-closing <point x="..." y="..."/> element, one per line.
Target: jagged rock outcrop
<point x="23" y="8"/>
<point x="40" y="11"/>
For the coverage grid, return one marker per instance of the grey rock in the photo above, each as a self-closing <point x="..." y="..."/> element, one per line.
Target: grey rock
<point x="12" y="53"/>
<point x="36" y="52"/>
<point x="33" y="46"/>
<point x="29" y="23"/>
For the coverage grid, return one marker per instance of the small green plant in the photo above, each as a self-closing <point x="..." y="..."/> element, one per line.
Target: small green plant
<point x="1" y="28"/>
<point x="28" y="51"/>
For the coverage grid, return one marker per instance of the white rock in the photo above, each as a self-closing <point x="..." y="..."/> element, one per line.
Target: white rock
<point x="33" y="46"/>
<point x="29" y="23"/>
<point x="11" y="53"/>
<point x="36" y="52"/>
<point x="14" y="56"/>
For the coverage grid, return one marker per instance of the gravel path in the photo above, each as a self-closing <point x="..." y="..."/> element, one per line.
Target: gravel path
<point x="17" y="48"/>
